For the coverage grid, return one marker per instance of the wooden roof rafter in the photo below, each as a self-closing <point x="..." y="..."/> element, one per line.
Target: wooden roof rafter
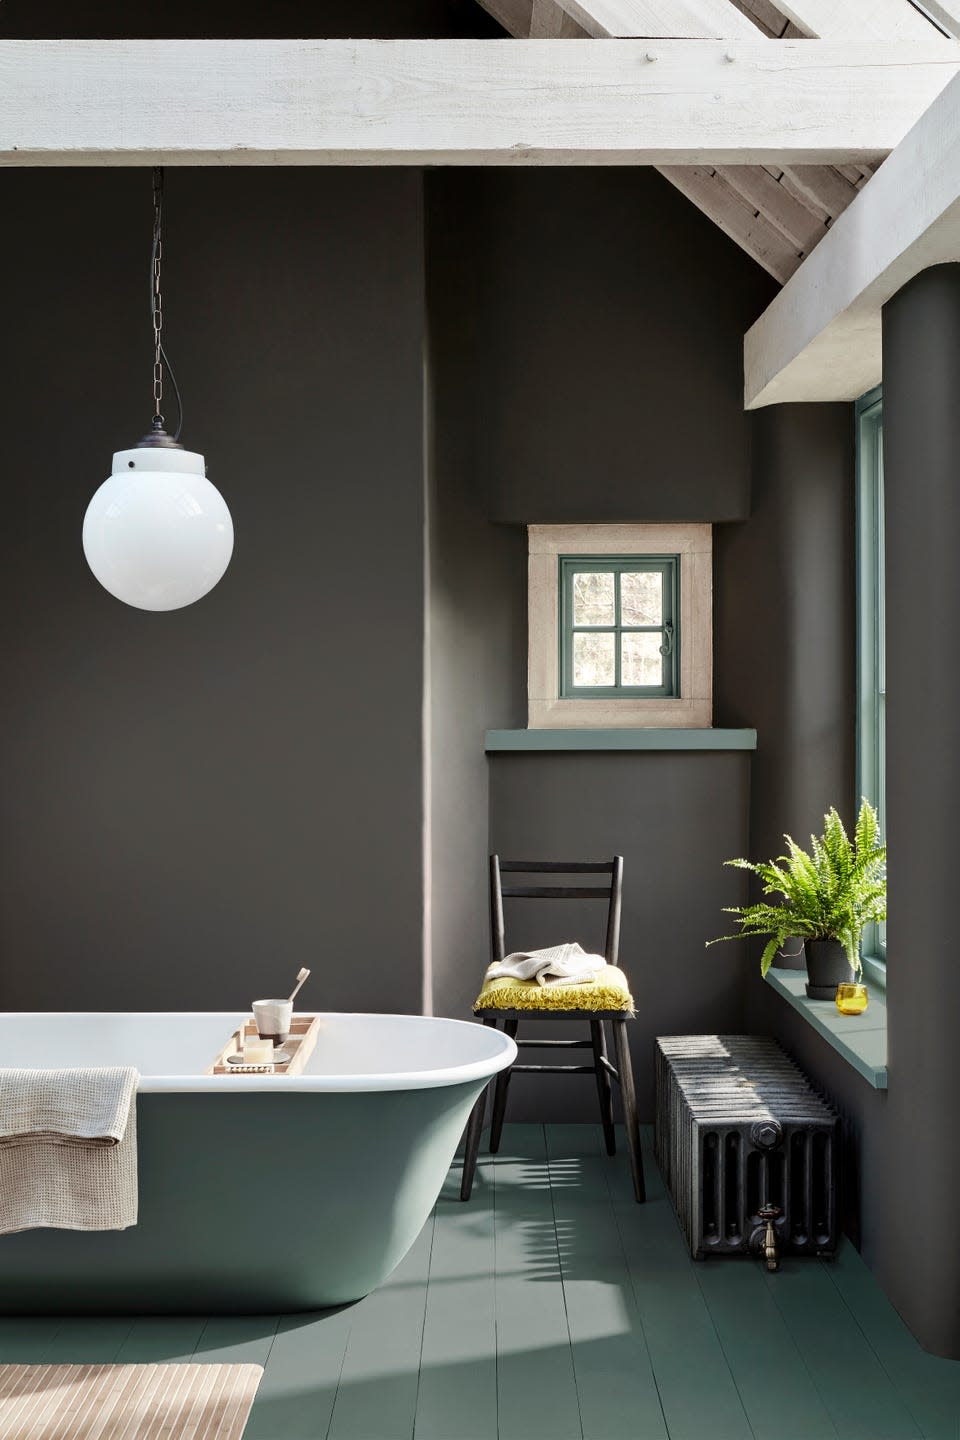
<point x="777" y="215"/>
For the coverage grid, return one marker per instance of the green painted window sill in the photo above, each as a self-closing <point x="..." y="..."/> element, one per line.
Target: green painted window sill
<point x="860" y="1039"/>
<point x="577" y="739"/>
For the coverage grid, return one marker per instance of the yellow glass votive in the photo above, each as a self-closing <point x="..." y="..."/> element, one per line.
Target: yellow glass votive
<point x="852" y="999"/>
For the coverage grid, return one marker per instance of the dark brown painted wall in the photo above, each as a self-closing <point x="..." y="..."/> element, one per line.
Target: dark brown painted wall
<point x="239" y="19"/>
<point x="569" y="299"/>
<point x="478" y="603"/>
<point x="612" y="335"/>
<point x="675" y="818"/>
<point x="921" y="361"/>
<point x="196" y="803"/>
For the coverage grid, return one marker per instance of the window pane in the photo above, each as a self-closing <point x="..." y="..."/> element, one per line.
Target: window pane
<point x="594" y="658"/>
<point x="640" y="660"/>
<point x="641" y="597"/>
<point x="593" y="599"/>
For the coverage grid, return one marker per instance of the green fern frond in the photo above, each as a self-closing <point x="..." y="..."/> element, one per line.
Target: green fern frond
<point x="829" y="892"/>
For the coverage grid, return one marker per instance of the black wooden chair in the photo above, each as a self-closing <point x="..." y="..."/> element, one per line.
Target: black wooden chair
<point x="514" y="1000"/>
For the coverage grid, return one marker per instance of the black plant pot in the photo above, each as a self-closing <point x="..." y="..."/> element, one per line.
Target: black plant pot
<point x="790" y="956"/>
<point x="827" y="967"/>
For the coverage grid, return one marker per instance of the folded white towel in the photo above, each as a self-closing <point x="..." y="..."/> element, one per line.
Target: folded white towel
<point x="68" y="1149"/>
<point x="567" y="964"/>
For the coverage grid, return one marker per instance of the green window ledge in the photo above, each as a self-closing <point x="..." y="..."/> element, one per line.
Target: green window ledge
<point x="579" y="739"/>
<point x="860" y="1039"/>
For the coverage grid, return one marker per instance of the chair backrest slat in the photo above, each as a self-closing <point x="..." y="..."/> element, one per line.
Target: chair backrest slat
<point x="611" y="892"/>
<point x="558" y="867"/>
<point x="556" y="892"/>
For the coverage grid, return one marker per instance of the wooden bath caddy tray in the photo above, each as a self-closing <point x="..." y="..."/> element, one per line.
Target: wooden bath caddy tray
<point x="304" y="1032"/>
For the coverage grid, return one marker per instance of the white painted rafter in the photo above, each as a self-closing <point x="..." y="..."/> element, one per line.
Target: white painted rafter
<point x="659" y="19"/>
<point x="411" y="102"/>
<point x="859" y="19"/>
<point x="820" y="338"/>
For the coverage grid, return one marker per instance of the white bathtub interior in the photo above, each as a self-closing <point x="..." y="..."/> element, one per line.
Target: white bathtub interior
<point x="172" y="1050"/>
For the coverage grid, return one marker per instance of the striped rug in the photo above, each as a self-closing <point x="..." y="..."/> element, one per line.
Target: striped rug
<point x="126" y="1402"/>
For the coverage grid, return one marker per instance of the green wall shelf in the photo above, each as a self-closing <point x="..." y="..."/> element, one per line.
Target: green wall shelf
<point x="860" y="1039"/>
<point x="498" y="740"/>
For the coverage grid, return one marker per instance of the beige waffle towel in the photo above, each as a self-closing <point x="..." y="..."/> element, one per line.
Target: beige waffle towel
<point x="68" y="1149"/>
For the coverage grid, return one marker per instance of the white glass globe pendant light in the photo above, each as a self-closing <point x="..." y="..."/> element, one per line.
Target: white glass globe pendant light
<point x="157" y="534"/>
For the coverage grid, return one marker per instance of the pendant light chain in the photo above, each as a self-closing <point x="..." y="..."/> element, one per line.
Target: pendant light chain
<point x="156" y="297"/>
<point x="161" y="360"/>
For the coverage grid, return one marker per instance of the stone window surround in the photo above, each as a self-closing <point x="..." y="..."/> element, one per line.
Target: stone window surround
<point x="693" y="708"/>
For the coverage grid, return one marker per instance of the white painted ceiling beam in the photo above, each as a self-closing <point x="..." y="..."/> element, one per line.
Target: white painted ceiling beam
<point x="664" y="19"/>
<point x="863" y="19"/>
<point x="820" y="339"/>
<point x="946" y="13"/>
<point x="465" y="102"/>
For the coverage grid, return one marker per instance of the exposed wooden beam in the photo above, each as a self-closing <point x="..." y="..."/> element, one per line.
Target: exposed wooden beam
<point x="534" y="19"/>
<point x="735" y="217"/>
<point x="822" y="186"/>
<point x="549" y="22"/>
<point x="795" y="221"/>
<point x="820" y="338"/>
<point x="411" y="102"/>
<point x="663" y="19"/>
<point x="946" y="13"/>
<point x="864" y="19"/>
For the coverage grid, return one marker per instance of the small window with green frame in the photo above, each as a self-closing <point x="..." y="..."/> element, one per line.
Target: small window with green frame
<point x="619" y="626"/>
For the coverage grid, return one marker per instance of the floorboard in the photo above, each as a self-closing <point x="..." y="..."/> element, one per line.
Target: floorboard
<point x="23" y="1339"/>
<point x="162" y="1340"/>
<point x="87" y="1340"/>
<point x="236" y="1340"/>
<point x="458" y="1363"/>
<point x="377" y="1395"/>
<point x="856" y="1389"/>
<point x="537" y="1392"/>
<point x="297" y="1393"/>
<point x="697" y="1390"/>
<point x="775" y="1386"/>
<point x="616" y="1387"/>
<point x="928" y="1385"/>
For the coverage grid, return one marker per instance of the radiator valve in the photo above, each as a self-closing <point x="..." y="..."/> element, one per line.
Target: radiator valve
<point x="767" y="1236"/>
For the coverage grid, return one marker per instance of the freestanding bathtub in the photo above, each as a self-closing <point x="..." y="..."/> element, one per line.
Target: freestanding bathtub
<point x="258" y="1193"/>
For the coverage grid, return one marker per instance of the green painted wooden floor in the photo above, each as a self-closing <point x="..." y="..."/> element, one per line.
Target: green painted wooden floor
<point x="552" y="1306"/>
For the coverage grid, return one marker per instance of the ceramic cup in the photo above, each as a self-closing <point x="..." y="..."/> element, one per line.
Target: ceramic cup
<point x="273" y="1019"/>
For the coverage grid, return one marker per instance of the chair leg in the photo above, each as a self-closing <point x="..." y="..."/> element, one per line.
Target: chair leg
<point x="625" y="1067"/>
<point x="471" y="1144"/>
<point x="604" y="1089"/>
<point x="500" y="1095"/>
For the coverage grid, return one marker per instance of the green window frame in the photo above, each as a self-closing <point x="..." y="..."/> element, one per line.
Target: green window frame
<point x="666" y="626"/>
<point x="871" y="675"/>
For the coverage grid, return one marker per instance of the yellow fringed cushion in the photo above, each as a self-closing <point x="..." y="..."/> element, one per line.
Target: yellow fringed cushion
<point x="610" y="991"/>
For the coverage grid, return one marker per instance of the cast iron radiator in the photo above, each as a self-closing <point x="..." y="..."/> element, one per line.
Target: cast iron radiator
<point x="739" y="1128"/>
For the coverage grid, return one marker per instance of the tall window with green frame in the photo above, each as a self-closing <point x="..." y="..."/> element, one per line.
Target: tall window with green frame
<point x="620" y="626"/>
<point x="871" y="694"/>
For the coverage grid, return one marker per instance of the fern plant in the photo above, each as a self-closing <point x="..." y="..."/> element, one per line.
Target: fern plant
<point x="831" y="892"/>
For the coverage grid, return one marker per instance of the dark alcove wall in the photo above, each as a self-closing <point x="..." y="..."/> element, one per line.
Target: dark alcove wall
<point x="196" y="803"/>
<point x="785" y="612"/>
<point x="477" y="604"/>
<point x="612" y="338"/>
<point x="240" y="19"/>
<point x="921" y="428"/>
<point x="607" y="388"/>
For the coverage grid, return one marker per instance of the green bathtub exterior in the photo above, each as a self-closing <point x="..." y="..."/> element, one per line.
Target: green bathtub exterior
<point x="257" y="1203"/>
